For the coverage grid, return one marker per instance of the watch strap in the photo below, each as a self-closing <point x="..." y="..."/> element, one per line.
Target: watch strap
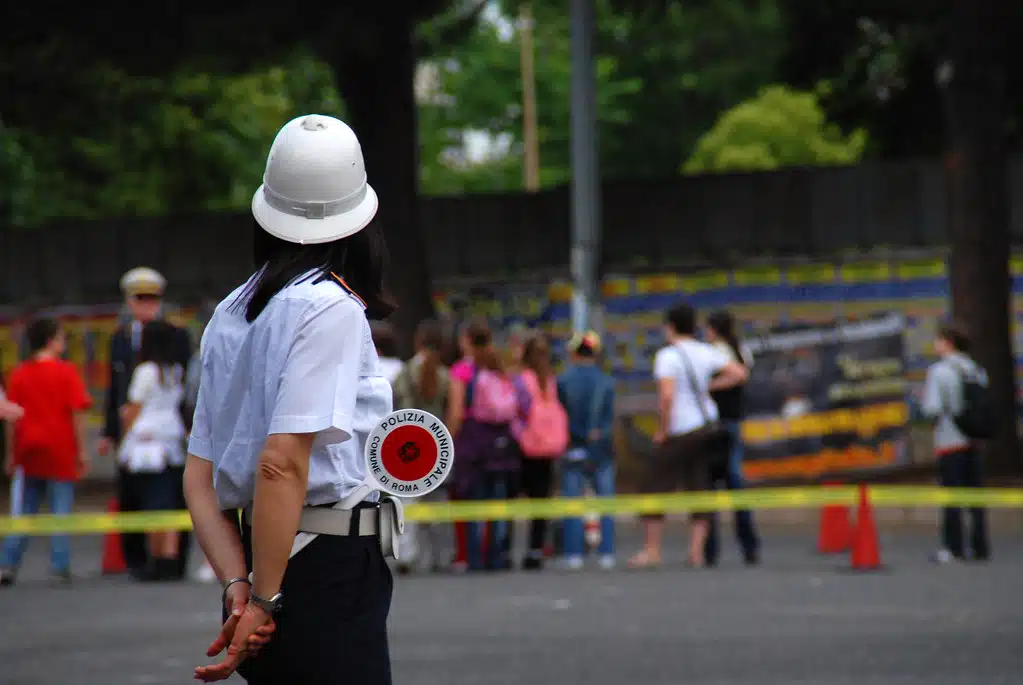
<point x="270" y="605"/>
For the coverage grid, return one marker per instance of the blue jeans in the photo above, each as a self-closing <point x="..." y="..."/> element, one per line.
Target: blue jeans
<point x="493" y="485"/>
<point x="745" y="530"/>
<point x="574" y="476"/>
<point x="62" y="499"/>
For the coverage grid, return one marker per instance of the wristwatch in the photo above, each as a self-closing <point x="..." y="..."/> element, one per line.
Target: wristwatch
<point x="270" y="605"/>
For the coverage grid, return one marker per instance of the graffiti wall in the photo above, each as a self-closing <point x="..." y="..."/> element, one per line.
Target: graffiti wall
<point x="762" y="298"/>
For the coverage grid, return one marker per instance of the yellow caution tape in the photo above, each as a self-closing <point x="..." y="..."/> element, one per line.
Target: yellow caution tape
<point x="499" y="510"/>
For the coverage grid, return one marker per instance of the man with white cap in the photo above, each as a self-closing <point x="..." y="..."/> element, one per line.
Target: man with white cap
<point x="290" y="388"/>
<point x="143" y="290"/>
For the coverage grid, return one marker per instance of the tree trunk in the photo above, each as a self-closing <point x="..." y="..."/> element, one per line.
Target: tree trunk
<point x="978" y="208"/>
<point x="375" y="74"/>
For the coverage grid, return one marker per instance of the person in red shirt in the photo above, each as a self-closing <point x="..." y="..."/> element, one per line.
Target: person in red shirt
<point x="48" y="445"/>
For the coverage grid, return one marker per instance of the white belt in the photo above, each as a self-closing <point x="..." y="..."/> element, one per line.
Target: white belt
<point x="387" y="520"/>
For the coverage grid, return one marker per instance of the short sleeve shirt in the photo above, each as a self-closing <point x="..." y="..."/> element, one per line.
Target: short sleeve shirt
<point x="704" y="361"/>
<point x="50" y="391"/>
<point x="307" y="364"/>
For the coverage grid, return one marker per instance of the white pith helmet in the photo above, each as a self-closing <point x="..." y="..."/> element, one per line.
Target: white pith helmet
<point x="143" y="280"/>
<point x="314" y="187"/>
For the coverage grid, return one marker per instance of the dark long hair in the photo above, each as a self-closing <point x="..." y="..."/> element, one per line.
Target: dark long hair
<point x="536" y="357"/>
<point x="429" y="341"/>
<point x="160" y="346"/>
<point x="481" y="340"/>
<point x="723" y="324"/>
<point x="360" y="259"/>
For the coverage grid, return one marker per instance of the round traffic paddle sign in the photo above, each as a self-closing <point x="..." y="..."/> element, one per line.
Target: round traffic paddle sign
<point x="409" y="453"/>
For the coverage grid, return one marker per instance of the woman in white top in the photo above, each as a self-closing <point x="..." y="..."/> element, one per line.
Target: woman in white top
<point x="290" y="389"/>
<point x="687" y="371"/>
<point x="154" y="439"/>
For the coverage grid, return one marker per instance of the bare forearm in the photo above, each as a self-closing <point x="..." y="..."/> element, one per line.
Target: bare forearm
<point x="276" y="509"/>
<point x="82" y="431"/>
<point x="215" y="529"/>
<point x="665" y="416"/>
<point x="722" y="383"/>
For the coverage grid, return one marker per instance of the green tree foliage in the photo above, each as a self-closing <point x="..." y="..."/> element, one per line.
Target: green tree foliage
<point x="695" y="59"/>
<point x="778" y="128"/>
<point x="662" y="69"/>
<point x="162" y="145"/>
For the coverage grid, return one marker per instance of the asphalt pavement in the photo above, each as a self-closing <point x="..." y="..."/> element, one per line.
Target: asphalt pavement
<point x="799" y="619"/>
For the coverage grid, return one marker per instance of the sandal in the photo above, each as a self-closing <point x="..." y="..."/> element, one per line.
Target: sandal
<point x="644" y="561"/>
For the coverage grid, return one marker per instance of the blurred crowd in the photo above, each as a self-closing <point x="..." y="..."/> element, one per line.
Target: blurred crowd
<point x="521" y="429"/>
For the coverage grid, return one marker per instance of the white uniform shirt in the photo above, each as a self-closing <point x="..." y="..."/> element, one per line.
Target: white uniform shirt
<point x="704" y="361"/>
<point x="307" y="364"/>
<point x="156" y="439"/>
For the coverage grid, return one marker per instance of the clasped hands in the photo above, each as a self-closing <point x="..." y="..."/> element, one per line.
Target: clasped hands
<point x="247" y="629"/>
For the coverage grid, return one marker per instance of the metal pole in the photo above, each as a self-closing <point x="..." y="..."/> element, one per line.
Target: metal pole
<point x="585" y="168"/>
<point x="531" y="150"/>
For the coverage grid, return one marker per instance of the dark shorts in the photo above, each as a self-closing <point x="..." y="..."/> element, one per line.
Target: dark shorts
<point x="680" y="463"/>
<point x="332" y="626"/>
<point x="158" y="491"/>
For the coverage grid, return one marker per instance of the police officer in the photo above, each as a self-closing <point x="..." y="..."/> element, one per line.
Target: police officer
<point x="143" y="290"/>
<point x="290" y="388"/>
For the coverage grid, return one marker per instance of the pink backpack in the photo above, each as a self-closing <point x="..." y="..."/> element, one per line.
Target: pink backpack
<point x="493" y="398"/>
<point x="545" y="434"/>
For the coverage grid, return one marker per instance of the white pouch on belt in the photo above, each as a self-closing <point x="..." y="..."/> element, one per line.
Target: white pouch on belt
<point x="392" y="524"/>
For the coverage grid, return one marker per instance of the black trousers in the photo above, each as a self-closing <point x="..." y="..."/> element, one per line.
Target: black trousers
<point x="332" y="626"/>
<point x="131" y="492"/>
<point x="129" y="498"/>
<point x="963" y="469"/>
<point x="537" y="475"/>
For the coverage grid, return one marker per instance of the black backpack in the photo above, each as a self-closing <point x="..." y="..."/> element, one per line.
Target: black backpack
<point x="976" y="419"/>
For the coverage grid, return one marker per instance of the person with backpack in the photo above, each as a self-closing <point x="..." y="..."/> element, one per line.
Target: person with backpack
<point x="423" y="383"/>
<point x="542" y="436"/>
<point x="956" y="399"/>
<point x="588" y="395"/>
<point x="482" y="404"/>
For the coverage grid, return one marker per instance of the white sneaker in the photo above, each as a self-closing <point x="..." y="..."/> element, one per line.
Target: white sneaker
<point x="943" y="556"/>
<point x="573" y="563"/>
<point x="607" y="562"/>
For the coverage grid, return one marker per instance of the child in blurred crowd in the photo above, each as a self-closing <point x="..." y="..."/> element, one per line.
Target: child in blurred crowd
<point x="481" y="407"/>
<point x="542" y="436"/>
<point x="423" y="383"/>
<point x="153" y="449"/>
<point x="48" y="445"/>
<point x="588" y="395"/>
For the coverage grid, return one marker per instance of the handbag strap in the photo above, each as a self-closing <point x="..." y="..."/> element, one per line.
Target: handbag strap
<point x="691" y="376"/>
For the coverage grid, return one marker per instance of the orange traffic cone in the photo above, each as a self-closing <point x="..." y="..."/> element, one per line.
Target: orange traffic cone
<point x="866" y="555"/>
<point x="113" y="554"/>
<point x="835" y="534"/>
